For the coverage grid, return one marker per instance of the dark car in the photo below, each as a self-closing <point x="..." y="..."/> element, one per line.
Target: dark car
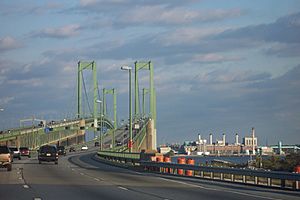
<point x="5" y="158"/>
<point x="25" y="151"/>
<point x="16" y="152"/>
<point x="61" y="150"/>
<point x="48" y="153"/>
<point x="97" y="144"/>
<point x="72" y="149"/>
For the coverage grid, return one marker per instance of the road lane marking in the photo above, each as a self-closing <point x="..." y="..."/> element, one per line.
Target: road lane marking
<point x="122" y="188"/>
<point x="96" y="179"/>
<point x="20" y="178"/>
<point x="229" y="191"/>
<point x="25" y="186"/>
<point x="37" y="198"/>
<point x="82" y="174"/>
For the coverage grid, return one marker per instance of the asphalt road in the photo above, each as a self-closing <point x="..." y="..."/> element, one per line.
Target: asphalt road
<point x="79" y="176"/>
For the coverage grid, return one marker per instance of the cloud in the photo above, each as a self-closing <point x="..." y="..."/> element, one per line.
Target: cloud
<point x="283" y="50"/>
<point x="101" y="5"/>
<point x="164" y="15"/>
<point x="8" y="43"/>
<point x="58" y="33"/>
<point x="284" y="30"/>
<point x="214" y="58"/>
<point x="181" y="45"/>
<point x="28" y="8"/>
<point x="187" y="36"/>
<point x="120" y="13"/>
<point x="6" y="100"/>
<point x="231" y="76"/>
<point x="27" y="83"/>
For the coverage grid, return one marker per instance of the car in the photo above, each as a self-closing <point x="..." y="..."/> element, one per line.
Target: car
<point x="25" y="151"/>
<point x="72" y="149"/>
<point x="48" y="153"/>
<point x="84" y="148"/>
<point x="97" y="144"/>
<point x="16" y="152"/>
<point x="61" y="150"/>
<point x="5" y="158"/>
<point x="118" y="143"/>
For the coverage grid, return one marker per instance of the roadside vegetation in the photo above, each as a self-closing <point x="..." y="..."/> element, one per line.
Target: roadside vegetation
<point x="277" y="163"/>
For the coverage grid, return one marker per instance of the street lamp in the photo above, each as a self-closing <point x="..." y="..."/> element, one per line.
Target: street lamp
<point x="100" y="136"/>
<point x="130" y="107"/>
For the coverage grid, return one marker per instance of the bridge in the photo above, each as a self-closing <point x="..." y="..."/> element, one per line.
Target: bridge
<point x="71" y="131"/>
<point x="116" y="170"/>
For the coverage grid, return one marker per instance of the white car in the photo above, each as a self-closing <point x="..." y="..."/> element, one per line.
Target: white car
<point x="84" y="148"/>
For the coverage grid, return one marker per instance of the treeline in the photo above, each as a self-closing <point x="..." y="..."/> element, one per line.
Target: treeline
<point x="277" y="163"/>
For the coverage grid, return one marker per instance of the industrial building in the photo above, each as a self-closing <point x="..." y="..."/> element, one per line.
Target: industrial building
<point x="221" y="147"/>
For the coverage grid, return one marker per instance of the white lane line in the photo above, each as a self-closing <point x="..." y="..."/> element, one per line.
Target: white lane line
<point x="122" y="188"/>
<point x="96" y="179"/>
<point x="230" y="191"/>
<point x="82" y="174"/>
<point x="20" y="178"/>
<point x="25" y="186"/>
<point x="37" y="198"/>
<point x="73" y="169"/>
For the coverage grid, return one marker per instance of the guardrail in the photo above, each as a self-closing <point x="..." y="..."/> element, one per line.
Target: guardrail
<point x="120" y="156"/>
<point x="249" y="176"/>
<point x="284" y="180"/>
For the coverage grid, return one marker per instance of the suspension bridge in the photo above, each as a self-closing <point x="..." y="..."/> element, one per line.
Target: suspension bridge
<point x="91" y="115"/>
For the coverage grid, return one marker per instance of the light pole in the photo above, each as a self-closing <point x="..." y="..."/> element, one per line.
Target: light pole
<point x="100" y="132"/>
<point x="130" y="107"/>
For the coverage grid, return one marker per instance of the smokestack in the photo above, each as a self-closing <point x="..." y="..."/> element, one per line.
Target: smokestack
<point x="224" y="139"/>
<point x="210" y="139"/>
<point x="279" y="147"/>
<point x="199" y="137"/>
<point x="253" y="136"/>
<point x="236" y="139"/>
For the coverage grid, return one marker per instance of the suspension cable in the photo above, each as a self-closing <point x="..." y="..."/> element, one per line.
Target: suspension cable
<point x="86" y="96"/>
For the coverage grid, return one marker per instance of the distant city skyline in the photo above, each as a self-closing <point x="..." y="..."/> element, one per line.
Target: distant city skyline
<point x="219" y="66"/>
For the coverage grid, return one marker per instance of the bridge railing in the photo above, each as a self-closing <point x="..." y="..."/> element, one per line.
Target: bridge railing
<point x="257" y="177"/>
<point x="246" y="176"/>
<point x="121" y="156"/>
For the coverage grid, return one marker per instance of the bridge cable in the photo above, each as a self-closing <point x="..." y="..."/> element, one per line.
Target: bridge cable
<point x="86" y="96"/>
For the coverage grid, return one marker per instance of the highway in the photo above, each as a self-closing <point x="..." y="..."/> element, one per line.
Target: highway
<point x="79" y="176"/>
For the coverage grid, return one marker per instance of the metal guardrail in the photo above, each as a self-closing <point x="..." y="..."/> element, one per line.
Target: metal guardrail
<point x="223" y="170"/>
<point x="249" y="176"/>
<point x="119" y="155"/>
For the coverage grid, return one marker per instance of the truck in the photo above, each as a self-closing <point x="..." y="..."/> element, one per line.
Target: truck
<point x="5" y="158"/>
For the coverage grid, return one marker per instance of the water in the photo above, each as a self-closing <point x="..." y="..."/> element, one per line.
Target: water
<point x="207" y="159"/>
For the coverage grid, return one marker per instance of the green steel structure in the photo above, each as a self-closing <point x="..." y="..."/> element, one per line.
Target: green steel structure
<point x="114" y="93"/>
<point x="81" y="67"/>
<point x="146" y="66"/>
<point x="145" y="92"/>
<point x="65" y="130"/>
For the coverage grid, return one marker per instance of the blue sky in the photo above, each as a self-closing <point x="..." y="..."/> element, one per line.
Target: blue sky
<point x="220" y="66"/>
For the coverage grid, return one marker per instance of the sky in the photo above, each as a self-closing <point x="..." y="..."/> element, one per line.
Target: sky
<point x="219" y="66"/>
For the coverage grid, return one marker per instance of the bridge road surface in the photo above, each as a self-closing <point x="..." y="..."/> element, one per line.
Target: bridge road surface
<point x="79" y="176"/>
